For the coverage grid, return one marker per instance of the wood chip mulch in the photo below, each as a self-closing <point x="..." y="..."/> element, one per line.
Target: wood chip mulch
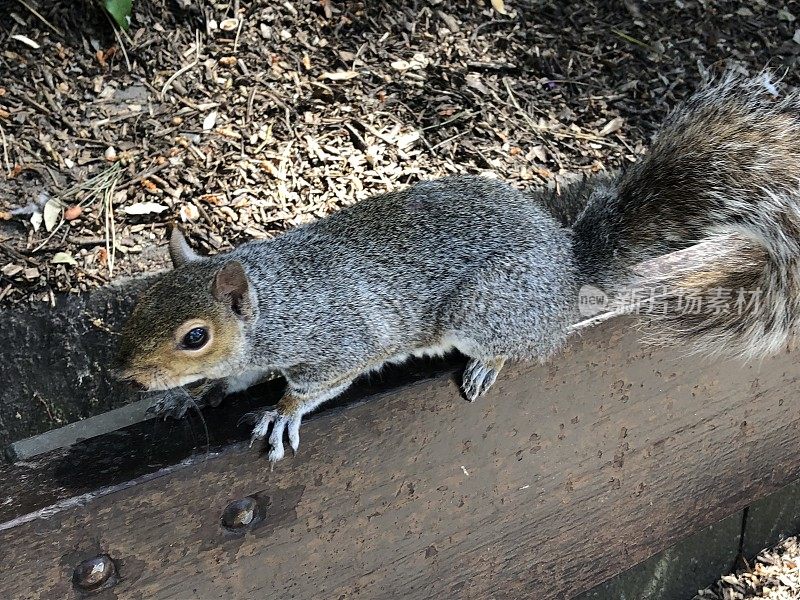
<point x="775" y="576"/>
<point x="242" y="119"/>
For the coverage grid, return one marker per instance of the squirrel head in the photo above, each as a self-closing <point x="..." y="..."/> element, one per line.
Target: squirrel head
<point x="188" y="325"/>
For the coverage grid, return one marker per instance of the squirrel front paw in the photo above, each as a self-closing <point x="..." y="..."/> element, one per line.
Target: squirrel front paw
<point x="172" y="403"/>
<point x="280" y="423"/>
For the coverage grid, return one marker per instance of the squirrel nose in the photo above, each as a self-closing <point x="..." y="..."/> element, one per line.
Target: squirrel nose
<point x="118" y="372"/>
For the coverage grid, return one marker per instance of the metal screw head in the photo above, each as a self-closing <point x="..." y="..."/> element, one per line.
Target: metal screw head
<point x="93" y="573"/>
<point x="240" y="514"/>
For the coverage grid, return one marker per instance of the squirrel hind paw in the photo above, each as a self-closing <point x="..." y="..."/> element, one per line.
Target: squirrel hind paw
<point x="479" y="376"/>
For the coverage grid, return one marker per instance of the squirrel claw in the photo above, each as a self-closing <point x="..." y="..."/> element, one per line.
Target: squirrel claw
<point x="280" y="424"/>
<point x="262" y="420"/>
<point x="478" y="378"/>
<point x="294" y="434"/>
<point x="251" y="418"/>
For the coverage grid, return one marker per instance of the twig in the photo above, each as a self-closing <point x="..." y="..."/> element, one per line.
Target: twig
<point x="183" y="70"/>
<point x="47" y="409"/>
<point x="250" y="98"/>
<point x="238" y="32"/>
<point x="95" y="185"/>
<point x="536" y="131"/>
<point x="115" y="27"/>
<point x="41" y="18"/>
<point x="630" y="39"/>
<point x="5" y="150"/>
<point x="537" y="127"/>
<point x="111" y="240"/>
<point x="464" y="113"/>
<point x="49" y="237"/>
<point x="142" y="175"/>
<point x="450" y="139"/>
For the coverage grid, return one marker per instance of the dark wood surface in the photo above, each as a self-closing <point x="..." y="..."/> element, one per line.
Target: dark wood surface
<point x="564" y="475"/>
<point x="698" y="561"/>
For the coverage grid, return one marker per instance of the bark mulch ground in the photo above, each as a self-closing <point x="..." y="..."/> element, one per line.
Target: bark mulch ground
<point x="775" y="575"/>
<point x="242" y="119"/>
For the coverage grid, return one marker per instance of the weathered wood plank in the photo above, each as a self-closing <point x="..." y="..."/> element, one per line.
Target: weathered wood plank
<point x="771" y="519"/>
<point x="55" y="361"/>
<point x="564" y="475"/>
<point x="679" y="571"/>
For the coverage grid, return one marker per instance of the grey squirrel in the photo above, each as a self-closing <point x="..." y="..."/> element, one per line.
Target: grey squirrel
<point x="475" y="265"/>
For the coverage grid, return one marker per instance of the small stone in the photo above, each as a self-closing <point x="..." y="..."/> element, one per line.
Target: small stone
<point x="72" y="212"/>
<point x="189" y="212"/>
<point x="229" y="24"/>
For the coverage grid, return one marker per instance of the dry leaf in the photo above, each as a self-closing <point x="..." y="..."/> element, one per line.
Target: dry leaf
<point x="339" y="75"/>
<point x="52" y="213"/>
<point x="210" y="121"/>
<point x="612" y="126"/>
<point x="228" y="24"/>
<point x="499" y="6"/>
<point x="540" y="153"/>
<point x="189" y="212"/>
<point x="26" y="40"/>
<point x="407" y="140"/>
<point x="144" y="208"/>
<point x="63" y="258"/>
<point x="11" y="269"/>
<point x="36" y="220"/>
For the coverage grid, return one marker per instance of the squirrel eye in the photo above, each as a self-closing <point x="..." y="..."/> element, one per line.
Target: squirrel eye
<point x="195" y="338"/>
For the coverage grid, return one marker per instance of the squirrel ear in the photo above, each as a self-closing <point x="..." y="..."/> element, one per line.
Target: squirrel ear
<point x="179" y="249"/>
<point x="231" y="285"/>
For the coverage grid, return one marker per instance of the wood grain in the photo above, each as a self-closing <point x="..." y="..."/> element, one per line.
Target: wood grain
<point x="564" y="475"/>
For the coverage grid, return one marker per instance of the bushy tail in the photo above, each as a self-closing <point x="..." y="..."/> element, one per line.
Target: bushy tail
<point x="724" y="171"/>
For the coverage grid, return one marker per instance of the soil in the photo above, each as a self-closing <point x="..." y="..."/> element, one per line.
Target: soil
<point x="239" y="120"/>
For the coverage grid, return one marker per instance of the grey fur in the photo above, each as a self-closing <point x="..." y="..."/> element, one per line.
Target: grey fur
<point x="412" y="272"/>
<point x="476" y="265"/>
